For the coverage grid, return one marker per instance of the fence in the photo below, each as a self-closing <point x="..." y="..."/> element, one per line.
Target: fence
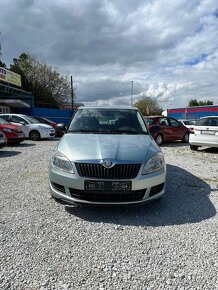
<point x="56" y="115"/>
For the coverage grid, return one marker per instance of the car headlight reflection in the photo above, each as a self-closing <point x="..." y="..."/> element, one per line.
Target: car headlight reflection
<point x="155" y="163"/>
<point x="44" y="128"/>
<point x="60" y="161"/>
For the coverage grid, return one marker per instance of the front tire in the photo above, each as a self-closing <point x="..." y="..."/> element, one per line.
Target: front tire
<point x="185" y="138"/>
<point x="34" y="135"/>
<point x="159" y="139"/>
<point x="193" y="147"/>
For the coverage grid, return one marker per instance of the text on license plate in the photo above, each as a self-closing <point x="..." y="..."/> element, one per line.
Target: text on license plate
<point x="208" y="132"/>
<point x="108" y="186"/>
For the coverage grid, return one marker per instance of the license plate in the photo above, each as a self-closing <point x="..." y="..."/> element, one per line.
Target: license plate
<point x="21" y="136"/>
<point x="108" y="186"/>
<point x="208" y="132"/>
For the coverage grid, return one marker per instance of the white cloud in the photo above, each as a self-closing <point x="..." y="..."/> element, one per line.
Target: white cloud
<point x="105" y="44"/>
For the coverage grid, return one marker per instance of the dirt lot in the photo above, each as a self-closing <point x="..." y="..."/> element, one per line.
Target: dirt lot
<point x="171" y="244"/>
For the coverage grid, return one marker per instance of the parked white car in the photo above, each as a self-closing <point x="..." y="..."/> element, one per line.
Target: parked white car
<point x="188" y="123"/>
<point x="31" y="127"/>
<point x="205" y="133"/>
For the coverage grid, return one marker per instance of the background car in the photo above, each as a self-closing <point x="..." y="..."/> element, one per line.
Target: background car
<point x="14" y="134"/>
<point x="107" y="157"/>
<point x="165" y="129"/>
<point x="43" y="120"/>
<point x="31" y="127"/>
<point x="3" y="139"/>
<point x="188" y="123"/>
<point x="205" y="133"/>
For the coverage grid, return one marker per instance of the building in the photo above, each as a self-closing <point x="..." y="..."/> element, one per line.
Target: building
<point x="11" y="94"/>
<point x="192" y="112"/>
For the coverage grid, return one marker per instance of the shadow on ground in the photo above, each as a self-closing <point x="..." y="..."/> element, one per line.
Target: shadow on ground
<point x="175" y="144"/>
<point x="5" y="154"/>
<point x="23" y="145"/>
<point x="186" y="201"/>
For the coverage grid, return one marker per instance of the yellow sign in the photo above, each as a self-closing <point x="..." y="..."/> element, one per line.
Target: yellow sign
<point x="10" y="77"/>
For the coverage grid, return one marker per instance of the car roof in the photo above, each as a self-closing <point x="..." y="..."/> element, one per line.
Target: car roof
<point x="209" y="117"/>
<point x="108" y="107"/>
<point x="21" y="115"/>
<point x="159" y="116"/>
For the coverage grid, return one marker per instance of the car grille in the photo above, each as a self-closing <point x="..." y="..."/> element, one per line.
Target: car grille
<point x="136" y="195"/>
<point x="118" y="171"/>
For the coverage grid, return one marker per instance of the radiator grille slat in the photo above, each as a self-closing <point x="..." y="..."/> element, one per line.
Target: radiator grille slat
<point x="118" y="171"/>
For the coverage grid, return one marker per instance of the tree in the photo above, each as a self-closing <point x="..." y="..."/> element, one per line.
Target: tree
<point x="2" y="64"/>
<point x="195" y="103"/>
<point x="48" y="86"/>
<point x="148" y="106"/>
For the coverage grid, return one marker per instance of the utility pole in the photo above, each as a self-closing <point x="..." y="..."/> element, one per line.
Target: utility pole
<point x="72" y="92"/>
<point x="132" y="92"/>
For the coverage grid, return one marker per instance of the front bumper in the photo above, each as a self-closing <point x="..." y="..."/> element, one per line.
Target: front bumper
<point x="70" y="188"/>
<point x="47" y="134"/>
<point x="195" y="140"/>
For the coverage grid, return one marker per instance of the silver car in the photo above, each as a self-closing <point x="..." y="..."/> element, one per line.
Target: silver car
<point x="107" y="157"/>
<point x="205" y="133"/>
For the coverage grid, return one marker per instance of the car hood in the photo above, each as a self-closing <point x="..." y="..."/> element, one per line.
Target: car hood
<point x="136" y="148"/>
<point x="8" y="126"/>
<point x="42" y="125"/>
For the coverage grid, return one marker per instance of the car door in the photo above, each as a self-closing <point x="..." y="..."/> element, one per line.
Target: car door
<point x="166" y="128"/>
<point x="178" y="130"/>
<point x="19" y="121"/>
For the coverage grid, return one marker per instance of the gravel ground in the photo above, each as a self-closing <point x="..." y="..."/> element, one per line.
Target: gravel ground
<point x="170" y="244"/>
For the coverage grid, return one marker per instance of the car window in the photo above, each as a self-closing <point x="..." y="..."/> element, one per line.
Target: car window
<point x="5" y="117"/>
<point x="149" y="121"/>
<point x="17" y="119"/>
<point x="213" y="122"/>
<point x="207" y="122"/>
<point x="186" y="122"/>
<point x="174" y="123"/>
<point x="4" y="122"/>
<point x="164" y="122"/>
<point x="108" y="121"/>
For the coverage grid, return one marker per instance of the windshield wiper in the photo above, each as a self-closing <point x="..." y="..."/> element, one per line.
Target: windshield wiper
<point x="126" y="132"/>
<point x="88" y="131"/>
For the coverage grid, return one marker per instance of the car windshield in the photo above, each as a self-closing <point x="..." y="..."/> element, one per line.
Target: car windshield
<point x="4" y="122"/>
<point x="207" y="122"/>
<point x="188" y="122"/>
<point x="113" y="121"/>
<point x="32" y="120"/>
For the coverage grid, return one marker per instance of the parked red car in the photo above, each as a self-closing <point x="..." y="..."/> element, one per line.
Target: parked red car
<point x="14" y="134"/>
<point x="49" y="122"/>
<point x="165" y="129"/>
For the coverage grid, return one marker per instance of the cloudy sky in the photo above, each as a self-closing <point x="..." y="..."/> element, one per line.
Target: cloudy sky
<point x="169" y="49"/>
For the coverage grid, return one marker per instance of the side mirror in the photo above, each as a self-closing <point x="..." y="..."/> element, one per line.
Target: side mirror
<point x="60" y="127"/>
<point x="22" y="123"/>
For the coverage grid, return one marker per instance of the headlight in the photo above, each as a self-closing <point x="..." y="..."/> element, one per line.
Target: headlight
<point x="155" y="163"/>
<point x="62" y="162"/>
<point x="44" y="128"/>
<point x="8" y="130"/>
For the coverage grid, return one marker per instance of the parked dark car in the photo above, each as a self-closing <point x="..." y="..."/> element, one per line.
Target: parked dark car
<point x="50" y="122"/>
<point x="14" y="134"/>
<point x="165" y="129"/>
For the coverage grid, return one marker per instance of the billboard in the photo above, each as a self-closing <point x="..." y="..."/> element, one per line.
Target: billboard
<point x="10" y="77"/>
